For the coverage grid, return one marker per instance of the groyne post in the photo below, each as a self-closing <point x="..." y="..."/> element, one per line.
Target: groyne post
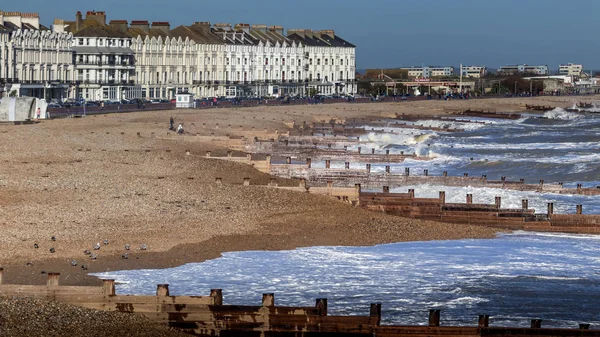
<point x="386" y="189"/>
<point x="288" y="160"/>
<point x="229" y="154"/>
<point x="246" y="181"/>
<point x="387" y="152"/>
<point x="347" y="165"/>
<point x="321" y="306"/>
<point x="302" y="183"/>
<point x="498" y="202"/>
<point x="469" y="199"/>
<point x="249" y="156"/>
<point x="525" y="204"/>
<point x="53" y="279"/>
<point x="329" y="183"/>
<point x="407" y="171"/>
<point x="442" y="197"/>
<point x="217" y="294"/>
<point x="411" y="193"/>
<point x="219" y="181"/>
<point x="359" y="150"/>
<point x="584" y="326"/>
<point x="434" y="317"/>
<point x="536" y="323"/>
<point x="550" y="208"/>
<point x="445" y="174"/>
<point x="579" y="209"/>
<point x="268" y="300"/>
<point x="309" y="162"/>
<point x="108" y="287"/>
<point x="375" y="311"/>
<point x="373" y="151"/>
<point x="387" y="169"/>
<point x="327" y="164"/>
<point x="368" y="168"/>
<point x="162" y="290"/>
<point x="268" y="159"/>
<point x="484" y="321"/>
<point x="1" y="275"/>
<point x="465" y="175"/>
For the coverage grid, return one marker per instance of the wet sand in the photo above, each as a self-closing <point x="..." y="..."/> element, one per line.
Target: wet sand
<point x="82" y="181"/>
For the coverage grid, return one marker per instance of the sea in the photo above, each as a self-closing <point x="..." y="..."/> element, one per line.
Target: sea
<point x="514" y="277"/>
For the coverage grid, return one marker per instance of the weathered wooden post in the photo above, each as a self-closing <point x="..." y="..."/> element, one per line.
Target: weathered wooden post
<point x="268" y="159"/>
<point x="426" y="172"/>
<point x="387" y="169"/>
<point x="53" y="279"/>
<point x="359" y="150"/>
<point x="584" y="326"/>
<point x="219" y="181"/>
<point x="246" y="181"/>
<point x="217" y="295"/>
<point x="329" y="183"/>
<point x="541" y="182"/>
<point x="375" y="313"/>
<point x="347" y="165"/>
<point x="484" y="321"/>
<point x="411" y="193"/>
<point x="268" y="300"/>
<point x="373" y="151"/>
<point x="407" y="171"/>
<point x="465" y="175"/>
<point x="327" y="164"/>
<point x="208" y="154"/>
<point x="288" y="160"/>
<point x="321" y="306"/>
<point x="434" y="317"/>
<point x="498" y="202"/>
<point x="309" y="162"/>
<point x="358" y="188"/>
<point x="445" y="174"/>
<point x="187" y="152"/>
<point x="503" y="179"/>
<point x="550" y="208"/>
<point x="162" y="290"/>
<point x="272" y="182"/>
<point x="249" y="156"/>
<point x="1" y="275"/>
<point x="302" y="183"/>
<point x="368" y="168"/>
<point x="387" y="152"/>
<point x="522" y="180"/>
<point x="525" y="204"/>
<point x="536" y="323"/>
<point x="469" y="199"/>
<point x="108" y="287"/>
<point x="229" y="154"/>
<point x="442" y="197"/>
<point x="386" y="189"/>
<point x="579" y="209"/>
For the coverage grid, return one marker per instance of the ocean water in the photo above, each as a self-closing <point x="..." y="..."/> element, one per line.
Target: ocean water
<point x="514" y="278"/>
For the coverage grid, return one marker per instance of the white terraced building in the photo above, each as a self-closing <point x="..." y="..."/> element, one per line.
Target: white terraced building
<point x="34" y="61"/>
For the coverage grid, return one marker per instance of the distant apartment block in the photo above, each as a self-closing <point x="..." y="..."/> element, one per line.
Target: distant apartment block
<point x="523" y="68"/>
<point x="429" y="71"/>
<point x="474" y="71"/>
<point x="570" y="69"/>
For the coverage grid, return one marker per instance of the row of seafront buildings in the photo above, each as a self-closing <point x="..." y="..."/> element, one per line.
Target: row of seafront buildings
<point x="569" y="69"/>
<point x="91" y="59"/>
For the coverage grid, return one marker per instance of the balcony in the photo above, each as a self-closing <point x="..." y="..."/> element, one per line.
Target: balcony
<point x="197" y="82"/>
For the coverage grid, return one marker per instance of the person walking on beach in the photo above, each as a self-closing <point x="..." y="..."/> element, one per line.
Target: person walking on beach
<point x="39" y="112"/>
<point x="180" y="129"/>
<point x="171" y="123"/>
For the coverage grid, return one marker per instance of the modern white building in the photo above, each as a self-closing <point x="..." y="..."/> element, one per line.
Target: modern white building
<point x="34" y="61"/>
<point x="523" y="68"/>
<point x="570" y="69"/>
<point x="474" y="71"/>
<point x="429" y="71"/>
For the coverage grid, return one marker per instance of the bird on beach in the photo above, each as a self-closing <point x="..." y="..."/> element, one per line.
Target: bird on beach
<point x="87" y="252"/>
<point x="125" y="256"/>
<point x="106" y="241"/>
<point x="83" y="267"/>
<point x="93" y="256"/>
<point x="74" y="263"/>
<point x="43" y="272"/>
<point x="127" y="247"/>
<point x="29" y="264"/>
<point x="53" y="238"/>
<point x="97" y="246"/>
<point x="143" y="246"/>
<point x="36" y="246"/>
<point x="52" y="250"/>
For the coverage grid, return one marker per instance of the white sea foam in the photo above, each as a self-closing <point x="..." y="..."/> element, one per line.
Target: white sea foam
<point x="562" y="114"/>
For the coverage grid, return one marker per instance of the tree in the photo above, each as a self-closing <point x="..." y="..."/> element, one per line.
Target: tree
<point x="312" y="92"/>
<point x="13" y="93"/>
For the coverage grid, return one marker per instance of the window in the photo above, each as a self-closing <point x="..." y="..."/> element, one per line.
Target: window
<point x="310" y="62"/>
<point x="326" y="61"/>
<point x="318" y="62"/>
<point x="282" y="61"/>
<point x="266" y="61"/>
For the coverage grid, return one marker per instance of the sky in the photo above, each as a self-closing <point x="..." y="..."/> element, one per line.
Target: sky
<point x="389" y="33"/>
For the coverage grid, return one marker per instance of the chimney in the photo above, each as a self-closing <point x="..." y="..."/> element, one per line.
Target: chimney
<point x="276" y="29"/>
<point x="143" y="25"/>
<point x="308" y="33"/>
<point x="242" y="27"/>
<point x="118" y="25"/>
<point x="299" y="32"/>
<point x="99" y="17"/>
<point x="202" y="25"/>
<point x="262" y="28"/>
<point x="163" y="26"/>
<point x="329" y="33"/>
<point x="14" y="17"/>
<point x="31" y="19"/>
<point x="78" y="21"/>
<point x="1" y="17"/>
<point x="223" y="26"/>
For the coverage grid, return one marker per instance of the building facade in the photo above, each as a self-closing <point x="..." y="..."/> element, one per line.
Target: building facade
<point x="570" y="69"/>
<point x="429" y="71"/>
<point x="474" y="71"/>
<point x="541" y="70"/>
<point x="34" y="61"/>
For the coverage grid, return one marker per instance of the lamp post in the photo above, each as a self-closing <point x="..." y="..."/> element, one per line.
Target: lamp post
<point x="516" y="88"/>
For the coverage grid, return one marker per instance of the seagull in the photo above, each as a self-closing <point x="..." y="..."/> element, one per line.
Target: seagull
<point x="143" y="246"/>
<point x="53" y="238"/>
<point x="97" y="246"/>
<point x="29" y="263"/>
<point x="83" y="267"/>
<point x="93" y="256"/>
<point x="43" y="272"/>
<point x="74" y="263"/>
<point x="52" y="250"/>
<point x="87" y="252"/>
<point x="36" y="246"/>
<point x="127" y="247"/>
<point x="124" y="256"/>
<point x="106" y="241"/>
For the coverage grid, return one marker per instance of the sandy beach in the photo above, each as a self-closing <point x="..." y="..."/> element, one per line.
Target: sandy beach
<point x="86" y="180"/>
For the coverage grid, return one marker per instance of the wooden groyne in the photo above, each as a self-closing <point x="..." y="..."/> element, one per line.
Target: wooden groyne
<point x="524" y="218"/>
<point x="209" y="316"/>
<point x="489" y="114"/>
<point x="539" y="107"/>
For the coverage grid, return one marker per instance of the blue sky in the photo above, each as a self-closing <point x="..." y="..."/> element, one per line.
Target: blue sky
<point x="390" y="33"/>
